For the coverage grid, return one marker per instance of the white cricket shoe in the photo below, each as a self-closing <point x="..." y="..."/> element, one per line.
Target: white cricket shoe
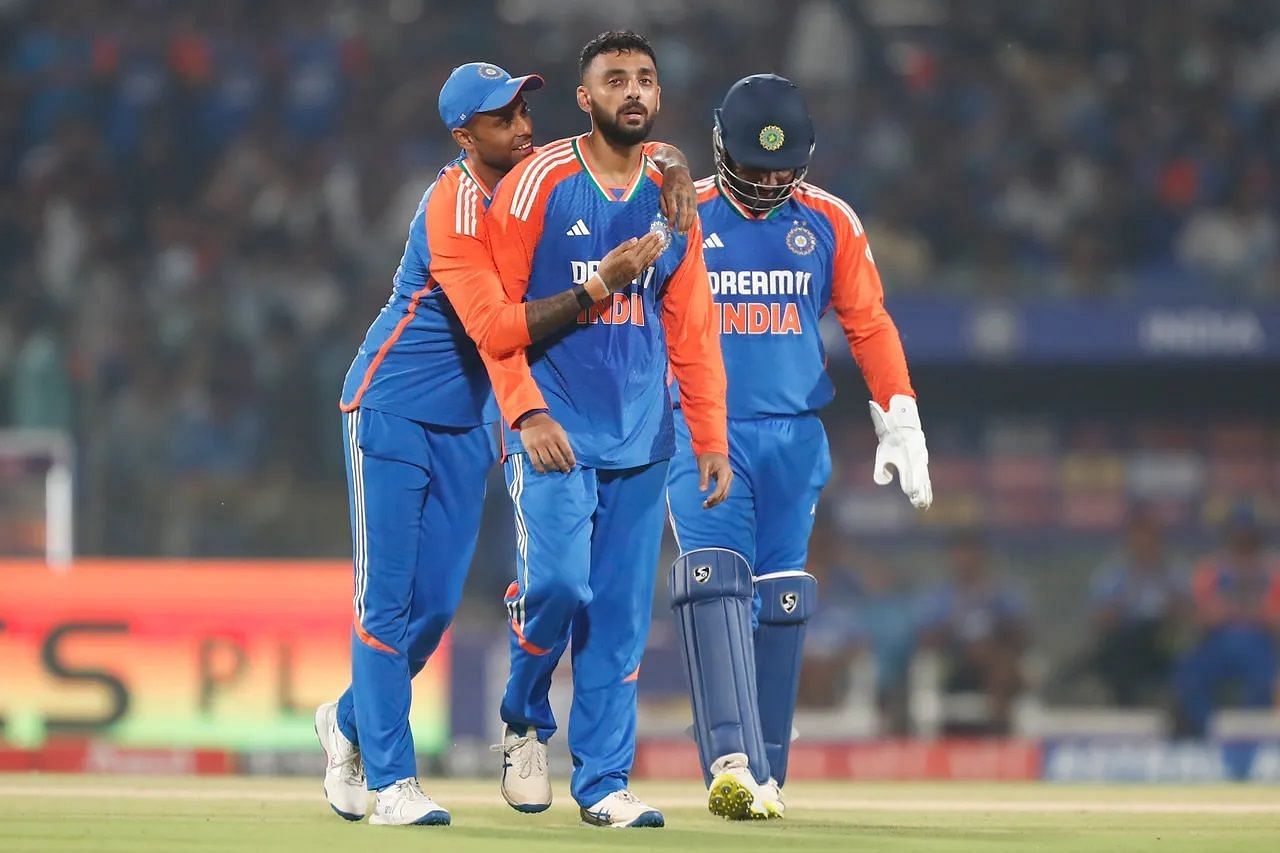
<point x="344" y="783"/>
<point x="734" y="793"/>
<point x="771" y="793"/>
<point x="621" y="810"/>
<point x="525" y="784"/>
<point x="404" y="804"/>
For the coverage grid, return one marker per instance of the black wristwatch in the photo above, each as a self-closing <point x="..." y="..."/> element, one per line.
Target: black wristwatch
<point x="584" y="298"/>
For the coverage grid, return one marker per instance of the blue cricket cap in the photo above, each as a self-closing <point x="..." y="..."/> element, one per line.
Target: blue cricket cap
<point x="479" y="87"/>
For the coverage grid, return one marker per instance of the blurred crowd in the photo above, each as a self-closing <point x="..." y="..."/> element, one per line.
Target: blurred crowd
<point x="1187" y="638"/>
<point x="203" y="205"/>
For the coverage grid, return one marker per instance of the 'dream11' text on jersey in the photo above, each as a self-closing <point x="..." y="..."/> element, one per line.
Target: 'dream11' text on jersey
<point x="773" y="278"/>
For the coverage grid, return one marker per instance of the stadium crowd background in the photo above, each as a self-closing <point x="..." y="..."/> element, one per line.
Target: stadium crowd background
<point x="203" y="206"/>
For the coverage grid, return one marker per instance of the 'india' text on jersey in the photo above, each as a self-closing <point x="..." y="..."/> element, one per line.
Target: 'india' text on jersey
<point x="773" y="278"/>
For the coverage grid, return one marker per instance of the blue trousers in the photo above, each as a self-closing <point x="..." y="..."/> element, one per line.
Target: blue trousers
<point x="780" y="465"/>
<point x="1244" y="654"/>
<point x="587" y="551"/>
<point x="779" y="468"/>
<point x="416" y="492"/>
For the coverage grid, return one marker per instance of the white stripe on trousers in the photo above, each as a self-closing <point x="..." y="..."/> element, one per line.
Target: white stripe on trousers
<point x="516" y="491"/>
<point x="359" y="528"/>
<point x="671" y="519"/>
<point x="355" y="508"/>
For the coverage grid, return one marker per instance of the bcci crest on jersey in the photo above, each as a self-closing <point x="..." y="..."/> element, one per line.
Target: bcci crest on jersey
<point x="801" y="240"/>
<point x="659" y="226"/>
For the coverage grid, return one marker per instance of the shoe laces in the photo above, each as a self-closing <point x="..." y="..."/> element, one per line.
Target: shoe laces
<point x="410" y="789"/>
<point x="352" y="768"/>
<point x="628" y="797"/>
<point x="525" y="755"/>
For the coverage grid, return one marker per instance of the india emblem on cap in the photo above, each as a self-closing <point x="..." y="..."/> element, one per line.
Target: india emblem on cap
<point x="772" y="137"/>
<point x="490" y="72"/>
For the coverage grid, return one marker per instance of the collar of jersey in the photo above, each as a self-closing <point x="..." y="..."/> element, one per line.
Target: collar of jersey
<point x="484" y="191"/>
<point x="599" y="185"/>
<point x="739" y="207"/>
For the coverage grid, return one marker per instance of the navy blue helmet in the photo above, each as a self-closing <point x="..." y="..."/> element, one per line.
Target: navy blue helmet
<point x="762" y="124"/>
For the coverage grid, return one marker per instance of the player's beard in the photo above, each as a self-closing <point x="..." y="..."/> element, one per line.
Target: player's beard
<point x="611" y="128"/>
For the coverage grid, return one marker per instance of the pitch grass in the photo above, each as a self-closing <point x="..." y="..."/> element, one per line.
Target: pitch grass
<point x="144" y="814"/>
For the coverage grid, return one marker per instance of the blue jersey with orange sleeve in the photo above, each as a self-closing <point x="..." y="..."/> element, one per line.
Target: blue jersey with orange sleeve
<point x="773" y="277"/>
<point x="605" y="378"/>
<point x="1225" y="593"/>
<point x="416" y="360"/>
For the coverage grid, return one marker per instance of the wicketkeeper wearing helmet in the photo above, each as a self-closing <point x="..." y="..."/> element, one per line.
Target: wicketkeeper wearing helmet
<point x="779" y="253"/>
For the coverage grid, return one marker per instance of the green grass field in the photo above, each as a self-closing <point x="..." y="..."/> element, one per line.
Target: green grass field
<point x="143" y="814"/>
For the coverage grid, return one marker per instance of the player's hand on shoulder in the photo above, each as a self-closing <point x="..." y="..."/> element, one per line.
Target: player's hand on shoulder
<point x="628" y="259"/>
<point x="902" y="448"/>
<point x="679" y="201"/>
<point x="547" y="443"/>
<point x="714" y="467"/>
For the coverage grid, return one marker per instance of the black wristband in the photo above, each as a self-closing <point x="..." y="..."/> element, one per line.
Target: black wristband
<point x="584" y="298"/>
<point x="520" y="420"/>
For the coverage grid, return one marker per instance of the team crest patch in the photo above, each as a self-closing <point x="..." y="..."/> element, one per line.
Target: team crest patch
<point x="702" y="574"/>
<point x="801" y="240"/>
<point x="789" y="602"/>
<point x="490" y="72"/>
<point x="772" y="137"/>
<point x="660" y="227"/>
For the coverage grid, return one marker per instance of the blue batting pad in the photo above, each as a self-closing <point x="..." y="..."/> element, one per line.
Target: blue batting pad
<point x="711" y="596"/>
<point x="787" y="600"/>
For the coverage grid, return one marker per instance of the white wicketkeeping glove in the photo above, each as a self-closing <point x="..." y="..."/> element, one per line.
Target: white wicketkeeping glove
<point x="902" y="447"/>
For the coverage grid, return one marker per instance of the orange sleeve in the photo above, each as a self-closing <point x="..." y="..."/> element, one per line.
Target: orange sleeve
<point x="513" y="227"/>
<point x="1271" y="604"/>
<point x="858" y="297"/>
<point x="513" y="386"/>
<point x="1210" y="608"/>
<point x="512" y="235"/>
<point x="462" y="265"/>
<point x="693" y="347"/>
<point x="649" y="147"/>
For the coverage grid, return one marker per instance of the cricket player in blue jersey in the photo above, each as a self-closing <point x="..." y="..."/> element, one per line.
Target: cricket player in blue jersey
<point x="779" y="252"/>
<point x="588" y="538"/>
<point x="417" y="422"/>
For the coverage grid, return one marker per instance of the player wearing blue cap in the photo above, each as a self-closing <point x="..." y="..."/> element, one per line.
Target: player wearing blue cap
<point x="779" y="252"/>
<point x="417" y="406"/>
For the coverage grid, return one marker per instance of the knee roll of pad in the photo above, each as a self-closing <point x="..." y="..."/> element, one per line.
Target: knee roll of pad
<point x="786" y="601"/>
<point x="711" y="597"/>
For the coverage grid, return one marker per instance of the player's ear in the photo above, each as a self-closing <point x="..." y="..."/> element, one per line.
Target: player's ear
<point x="584" y="100"/>
<point x="657" y="99"/>
<point x="464" y="140"/>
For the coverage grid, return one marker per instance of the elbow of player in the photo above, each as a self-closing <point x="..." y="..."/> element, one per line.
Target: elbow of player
<point x="493" y="339"/>
<point x="497" y="347"/>
<point x="869" y="331"/>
